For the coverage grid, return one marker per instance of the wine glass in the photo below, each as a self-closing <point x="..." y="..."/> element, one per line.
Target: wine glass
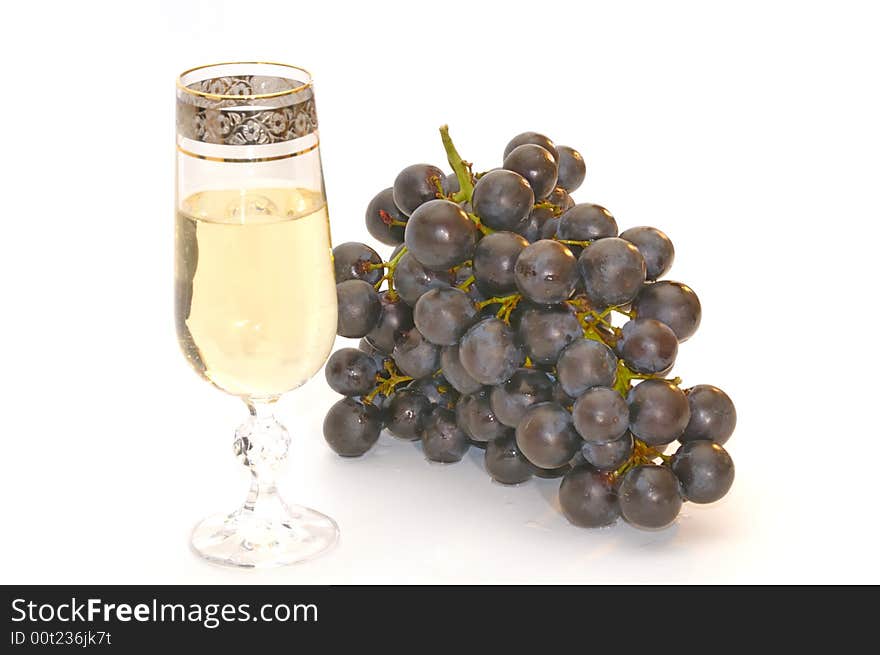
<point x="255" y="298"/>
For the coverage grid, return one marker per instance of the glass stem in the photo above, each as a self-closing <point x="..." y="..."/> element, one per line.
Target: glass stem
<point x="261" y="444"/>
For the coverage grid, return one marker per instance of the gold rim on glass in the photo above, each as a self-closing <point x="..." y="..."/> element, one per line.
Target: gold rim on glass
<point x="252" y="96"/>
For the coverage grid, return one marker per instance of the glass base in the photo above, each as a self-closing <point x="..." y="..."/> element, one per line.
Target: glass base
<point x="248" y="539"/>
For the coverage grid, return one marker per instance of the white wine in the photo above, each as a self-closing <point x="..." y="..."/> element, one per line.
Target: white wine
<point x="255" y="292"/>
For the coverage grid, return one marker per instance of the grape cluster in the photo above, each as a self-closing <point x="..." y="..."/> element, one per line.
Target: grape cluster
<point x="512" y="319"/>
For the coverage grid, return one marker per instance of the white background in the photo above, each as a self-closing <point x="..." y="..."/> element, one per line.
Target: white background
<point x="749" y="132"/>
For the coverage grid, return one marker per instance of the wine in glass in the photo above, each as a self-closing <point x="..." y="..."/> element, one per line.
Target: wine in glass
<point x="255" y="298"/>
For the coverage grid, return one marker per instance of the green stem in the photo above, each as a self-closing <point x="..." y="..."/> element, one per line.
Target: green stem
<point x="482" y="228"/>
<point x="508" y="304"/>
<point x="387" y="382"/>
<point x="389" y="267"/>
<point x="459" y="167"/>
<point x="464" y="286"/>
<point x="573" y="242"/>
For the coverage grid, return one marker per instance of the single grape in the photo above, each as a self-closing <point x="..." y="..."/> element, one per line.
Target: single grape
<point x="503" y="199"/>
<point x="585" y="363"/>
<point x="647" y="346"/>
<point x="713" y="415"/>
<point x="444" y="315"/>
<point x="358" y="308"/>
<point x="546" y="272"/>
<point x="436" y="389"/>
<point x="489" y="353"/>
<point x="452" y="185"/>
<point x="442" y="439"/>
<point x="613" y="271"/>
<point x="672" y="303"/>
<point x="586" y="222"/>
<point x="440" y="235"/>
<point x="351" y="427"/>
<point x="416" y="185"/>
<point x="561" y="199"/>
<point x="455" y="373"/>
<point x="655" y="247"/>
<point x="526" y="387"/>
<point x="705" y="470"/>
<point x="406" y="414"/>
<point x="532" y="227"/>
<point x="650" y="496"/>
<point x="544" y="333"/>
<point x="572" y="169"/>
<point x="475" y="416"/>
<point x="609" y="456"/>
<point x="352" y="261"/>
<point x="658" y="412"/>
<point x="546" y="435"/>
<point x="494" y="259"/>
<point x="380" y="213"/>
<point x="351" y="372"/>
<point x="412" y="279"/>
<point x="416" y="356"/>
<point x="549" y="228"/>
<point x="588" y="497"/>
<point x="537" y="165"/>
<point x="533" y="138"/>
<point x="504" y="461"/>
<point x="394" y="320"/>
<point x="600" y="415"/>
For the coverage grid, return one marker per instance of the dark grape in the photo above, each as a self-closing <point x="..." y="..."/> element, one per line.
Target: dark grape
<point x="713" y="415"/>
<point x="586" y="363"/>
<point x="351" y="427"/>
<point x="444" y="315"/>
<point x="416" y="185"/>
<point x="452" y="185"/>
<point x="440" y="235"/>
<point x="352" y="260"/>
<point x="395" y="319"/>
<point x="504" y="461"/>
<point x="586" y="222"/>
<point x="546" y="272"/>
<point x="351" y="372"/>
<point x="561" y="397"/>
<point x="650" y="496"/>
<point x="549" y="228"/>
<point x="658" y="412"/>
<point x="533" y="227"/>
<point x="647" y="346"/>
<point x="533" y="138"/>
<point x="503" y="199"/>
<point x="546" y="435"/>
<point x="572" y="169"/>
<point x="416" y="356"/>
<point x="406" y="414"/>
<point x="613" y="271"/>
<point x="412" y="279"/>
<point x="494" y="259"/>
<point x="526" y="387"/>
<point x="380" y="213"/>
<point x="609" y="456"/>
<point x="358" y="308"/>
<point x="436" y="389"/>
<point x="588" y="497"/>
<point x="561" y="199"/>
<point x="475" y="416"/>
<point x="705" y="470"/>
<point x="545" y="332"/>
<point x="442" y="439"/>
<point x="537" y="165"/>
<point x="455" y="373"/>
<point x="655" y="247"/>
<point x="489" y="352"/>
<point x="600" y="415"/>
<point x="672" y="303"/>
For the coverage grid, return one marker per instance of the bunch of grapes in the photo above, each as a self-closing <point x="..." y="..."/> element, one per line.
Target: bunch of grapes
<point x="512" y="319"/>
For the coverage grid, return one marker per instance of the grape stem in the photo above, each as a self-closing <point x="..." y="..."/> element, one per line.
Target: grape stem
<point x="572" y="242"/>
<point x="482" y="228"/>
<point x="460" y="168"/>
<point x="642" y="454"/>
<point x="464" y="286"/>
<point x="556" y="210"/>
<point x="389" y="220"/>
<point x="508" y="304"/>
<point x="387" y="381"/>
<point x="625" y="376"/>
<point x="389" y="267"/>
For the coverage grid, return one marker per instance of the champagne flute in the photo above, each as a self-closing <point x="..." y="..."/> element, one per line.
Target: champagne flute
<point x="255" y="298"/>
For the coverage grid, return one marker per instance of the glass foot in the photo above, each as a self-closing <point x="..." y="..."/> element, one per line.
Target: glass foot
<point x="246" y="539"/>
